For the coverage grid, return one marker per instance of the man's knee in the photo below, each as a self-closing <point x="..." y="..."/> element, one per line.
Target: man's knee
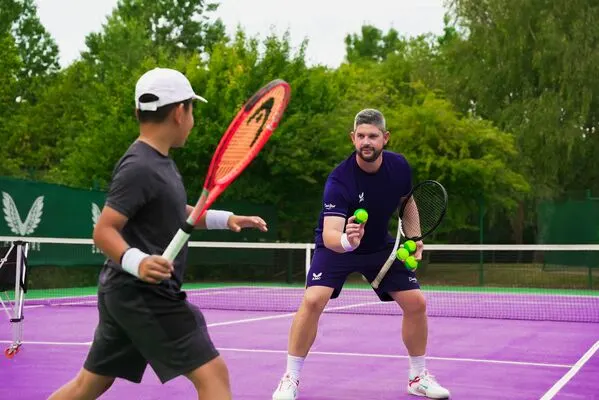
<point x="411" y="301"/>
<point x="89" y="385"/>
<point x="316" y="298"/>
<point x="212" y="374"/>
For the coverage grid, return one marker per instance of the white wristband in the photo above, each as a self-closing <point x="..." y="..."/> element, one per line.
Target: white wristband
<point x="217" y="219"/>
<point x="346" y="244"/>
<point x="131" y="260"/>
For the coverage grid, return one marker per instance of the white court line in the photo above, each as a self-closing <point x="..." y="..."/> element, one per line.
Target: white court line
<point x="243" y="321"/>
<point x="370" y="355"/>
<point x="340" y="354"/>
<point x="269" y="317"/>
<point x="570" y="374"/>
<point x="52" y="343"/>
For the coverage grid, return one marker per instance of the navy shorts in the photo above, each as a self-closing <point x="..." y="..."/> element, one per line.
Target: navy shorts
<point x="331" y="269"/>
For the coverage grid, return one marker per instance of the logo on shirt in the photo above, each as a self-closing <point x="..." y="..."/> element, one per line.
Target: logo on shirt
<point x="316" y="277"/>
<point x="412" y="279"/>
<point x="361" y="197"/>
<point x="329" y="206"/>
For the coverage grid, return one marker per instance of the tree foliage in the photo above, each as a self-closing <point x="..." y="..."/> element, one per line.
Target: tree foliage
<point x="501" y="107"/>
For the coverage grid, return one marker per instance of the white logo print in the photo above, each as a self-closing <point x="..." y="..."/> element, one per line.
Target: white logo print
<point x="329" y="206"/>
<point x="412" y="279"/>
<point x="316" y="277"/>
<point x="95" y="215"/>
<point x="361" y="197"/>
<point x="13" y="219"/>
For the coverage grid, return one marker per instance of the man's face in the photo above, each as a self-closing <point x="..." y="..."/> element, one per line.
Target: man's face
<point x="184" y="122"/>
<point x="369" y="141"/>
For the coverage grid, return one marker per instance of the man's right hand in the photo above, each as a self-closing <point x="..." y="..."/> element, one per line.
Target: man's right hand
<point x="155" y="269"/>
<point x="354" y="231"/>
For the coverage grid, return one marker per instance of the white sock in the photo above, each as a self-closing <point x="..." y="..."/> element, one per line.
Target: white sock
<point x="417" y="365"/>
<point x="294" y="366"/>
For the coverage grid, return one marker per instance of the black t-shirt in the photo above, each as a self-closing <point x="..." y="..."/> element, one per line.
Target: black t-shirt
<point x="147" y="188"/>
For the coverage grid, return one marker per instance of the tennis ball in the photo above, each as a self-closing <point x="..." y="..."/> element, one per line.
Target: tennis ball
<point x="361" y="215"/>
<point x="402" y="254"/>
<point x="410" y="246"/>
<point x="411" y="263"/>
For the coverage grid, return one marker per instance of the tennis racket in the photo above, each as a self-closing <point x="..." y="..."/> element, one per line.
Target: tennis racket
<point x="420" y="214"/>
<point x="244" y="138"/>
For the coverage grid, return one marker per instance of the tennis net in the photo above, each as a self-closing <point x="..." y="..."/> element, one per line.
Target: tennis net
<point x="530" y="282"/>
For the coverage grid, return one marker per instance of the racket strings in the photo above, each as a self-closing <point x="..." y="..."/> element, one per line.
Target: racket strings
<point x="257" y="123"/>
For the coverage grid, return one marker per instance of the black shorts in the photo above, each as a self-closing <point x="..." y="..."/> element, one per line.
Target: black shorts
<point x="140" y="325"/>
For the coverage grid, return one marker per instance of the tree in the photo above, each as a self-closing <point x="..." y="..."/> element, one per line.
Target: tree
<point x="10" y="65"/>
<point x="171" y="25"/>
<point x="37" y="50"/>
<point x="372" y="44"/>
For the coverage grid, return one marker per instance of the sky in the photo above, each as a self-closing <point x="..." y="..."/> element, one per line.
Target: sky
<point x="325" y="23"/>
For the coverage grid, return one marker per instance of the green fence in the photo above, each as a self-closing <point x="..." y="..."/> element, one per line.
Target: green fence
<point x="37" y="209"/>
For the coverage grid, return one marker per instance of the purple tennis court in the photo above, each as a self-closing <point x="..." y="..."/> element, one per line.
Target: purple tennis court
<point x="482" y="345"/>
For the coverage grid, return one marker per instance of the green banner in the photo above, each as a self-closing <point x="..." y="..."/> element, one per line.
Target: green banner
<point x="46" y="210"/>
<point x="569" y="222"/>
<point x="36" y="209"/>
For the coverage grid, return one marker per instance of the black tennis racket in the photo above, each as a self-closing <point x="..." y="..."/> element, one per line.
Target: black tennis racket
<point x="420" y="213"/>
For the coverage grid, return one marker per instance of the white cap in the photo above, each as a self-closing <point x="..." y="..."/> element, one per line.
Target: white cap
<point x="168" y="85"/>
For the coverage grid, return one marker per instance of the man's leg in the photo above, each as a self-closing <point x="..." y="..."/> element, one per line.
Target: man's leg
<point x="111" y="355"/>
<point x="414" y="329"/>
<point x="85" y="386"/>
<point x="301" y="338"/>
<point x="415" y="335"/>
<point x="305" y="322"/>
<point x="401" y="285"/>
<point x="172" y="335"/>
<point x="211" y="380"/>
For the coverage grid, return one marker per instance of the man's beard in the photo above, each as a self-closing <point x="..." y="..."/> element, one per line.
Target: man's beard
<point x="374" y="154"/>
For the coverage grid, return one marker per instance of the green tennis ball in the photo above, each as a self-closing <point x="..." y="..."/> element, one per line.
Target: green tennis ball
<point x="411" y="263"/>
<point x="410" y="246"/>
<point x="361" y="215"/>
<point x="402" y="254"/>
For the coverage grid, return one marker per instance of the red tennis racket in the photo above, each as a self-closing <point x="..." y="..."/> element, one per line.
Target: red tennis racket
<point x="246" y="135"/>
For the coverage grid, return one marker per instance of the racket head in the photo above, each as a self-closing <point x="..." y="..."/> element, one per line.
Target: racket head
<point x="246" y="135"/>
<point x="423" y="210"/>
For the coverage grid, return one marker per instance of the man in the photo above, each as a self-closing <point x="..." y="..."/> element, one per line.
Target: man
<point x="144" y="316"/>
<point x="376" y="180"/>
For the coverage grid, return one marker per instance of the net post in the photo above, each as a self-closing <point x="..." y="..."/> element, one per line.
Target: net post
<point x="14" y="308"/>
<point x="308" y="259"/>
<point x="17" y="318"/>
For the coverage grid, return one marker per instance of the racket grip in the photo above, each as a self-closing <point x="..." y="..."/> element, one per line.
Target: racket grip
<point x="176" y="245"/>
<point x="379" y="277"/>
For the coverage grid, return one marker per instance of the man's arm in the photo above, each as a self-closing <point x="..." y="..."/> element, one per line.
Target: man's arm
<point x="226" y="220"/>
<point x="107" y="237"/>
<point x="107" y="234"/>
<point x="411" y="225"/>
<point x="335" y="239"/>
<point x="411" y="219"/>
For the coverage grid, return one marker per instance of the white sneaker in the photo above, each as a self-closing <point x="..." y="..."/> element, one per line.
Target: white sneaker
<point x="426" y="385"/>
<point x="287" y="389"/>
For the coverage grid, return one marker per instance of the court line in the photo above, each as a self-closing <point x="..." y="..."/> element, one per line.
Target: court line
<point x="51" y="343"/>
<point x="277" y="316"/>
<point x="571" y="372"/>
<point x="342" y="354"/>
<point x="375" y="355"/>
